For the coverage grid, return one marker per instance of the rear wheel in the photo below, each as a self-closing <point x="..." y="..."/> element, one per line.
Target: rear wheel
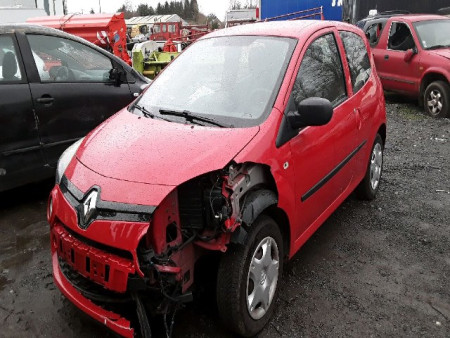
<point x="437" y="99"/>
<point x="247" y="281"/>
<point x="370" y="184"/>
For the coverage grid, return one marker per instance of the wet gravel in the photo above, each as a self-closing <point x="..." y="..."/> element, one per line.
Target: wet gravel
<point x="379" y="268"/>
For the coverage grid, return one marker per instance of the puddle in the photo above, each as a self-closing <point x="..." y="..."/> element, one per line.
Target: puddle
<point x="18" y="248"/>
<point x="4" y="281"/>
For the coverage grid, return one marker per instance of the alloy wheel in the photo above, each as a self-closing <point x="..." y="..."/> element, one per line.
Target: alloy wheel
<point x="262" y="277"/>
<point x="376" y="162"/>
<point x="435" y="102"/>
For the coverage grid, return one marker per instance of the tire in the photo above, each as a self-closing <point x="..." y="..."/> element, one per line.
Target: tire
<point x="235" y="278"/>
<point x="437" y="99"/>
<point x="368" y="188"/>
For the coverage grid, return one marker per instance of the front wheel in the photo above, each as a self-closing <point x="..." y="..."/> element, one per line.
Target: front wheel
<point x="247" y="280"/>
<point x="370" y="184"/>
<point x="437" y="99"/>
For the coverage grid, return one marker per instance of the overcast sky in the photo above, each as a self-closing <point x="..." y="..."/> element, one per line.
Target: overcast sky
<point x="218" y="7"/>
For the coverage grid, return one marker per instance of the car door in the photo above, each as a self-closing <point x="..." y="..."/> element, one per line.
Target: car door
<point x="71" y="89"/>
<point x="322" y="155"/>
<point x="363" y="87"/>
<point x="20" y="154"/>
<point x="395" y="73"/>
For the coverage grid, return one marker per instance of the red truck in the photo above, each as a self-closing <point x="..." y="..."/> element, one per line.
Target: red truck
<point x="107" y="31"/>
<point x="412" y="57"/>
<point x="163" y="31"/>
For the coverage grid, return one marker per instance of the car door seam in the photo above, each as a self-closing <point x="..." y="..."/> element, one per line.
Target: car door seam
<point x="332" y="173"/>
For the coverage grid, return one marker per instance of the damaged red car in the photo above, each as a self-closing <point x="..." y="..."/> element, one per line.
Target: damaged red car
<point x="240" y="150"/>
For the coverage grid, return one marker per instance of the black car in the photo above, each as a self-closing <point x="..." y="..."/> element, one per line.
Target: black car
<point x="54" y="89"/>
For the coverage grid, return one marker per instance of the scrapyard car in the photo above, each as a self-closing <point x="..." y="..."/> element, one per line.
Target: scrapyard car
<point x="242" y="147"/>
<point x="412" y="57"/>
<point x="54" y="89"/>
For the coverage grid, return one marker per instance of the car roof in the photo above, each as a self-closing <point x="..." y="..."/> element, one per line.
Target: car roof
<point x="33" y="28"/>
<point x="292" y="29"/>
<point x="37" y="29"/>
<point x="26" y="28"/>
<point x="419" y="17"/>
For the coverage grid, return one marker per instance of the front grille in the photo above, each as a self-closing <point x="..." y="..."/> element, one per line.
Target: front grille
<point x="106" y="269"/>
<point x="90" y="289"/>
<point x="105" y="210"/>
<point x="117" y="252"/>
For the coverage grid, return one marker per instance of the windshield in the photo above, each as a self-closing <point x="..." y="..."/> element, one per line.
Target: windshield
<point x="233" y="80"/>
<point x="433" y="33"/>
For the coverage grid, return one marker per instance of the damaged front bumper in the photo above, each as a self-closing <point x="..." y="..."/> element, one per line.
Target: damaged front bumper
<point x="110" y="319"/>
<point x="89" y="273"/>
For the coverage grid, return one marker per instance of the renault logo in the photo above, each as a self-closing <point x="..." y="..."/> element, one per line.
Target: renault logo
<point x="88" y="208"/>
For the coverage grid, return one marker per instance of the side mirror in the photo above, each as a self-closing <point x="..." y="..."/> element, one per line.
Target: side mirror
<point x="410" y="54"/>
<point x="313" y="111"/>
<point x="116" y="76"/>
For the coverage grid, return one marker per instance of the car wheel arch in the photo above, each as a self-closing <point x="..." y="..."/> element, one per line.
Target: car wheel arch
<point x="382" y="132"/>
<point x="259" y="202"/>
<point x="429" y="78"/>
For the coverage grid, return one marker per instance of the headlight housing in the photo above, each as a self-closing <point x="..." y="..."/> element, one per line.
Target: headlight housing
<point x="65" y="159"/>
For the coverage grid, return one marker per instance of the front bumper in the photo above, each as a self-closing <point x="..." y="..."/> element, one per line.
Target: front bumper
<point x="110" y="319"/>
<point x="104" y="254"/>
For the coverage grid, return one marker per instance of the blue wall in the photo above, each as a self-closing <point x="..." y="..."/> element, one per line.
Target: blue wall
<point x="271" y="8"/>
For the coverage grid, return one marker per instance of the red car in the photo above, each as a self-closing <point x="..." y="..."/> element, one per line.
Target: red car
<point x="240" y="149"/>
<point x="412" y="57"/>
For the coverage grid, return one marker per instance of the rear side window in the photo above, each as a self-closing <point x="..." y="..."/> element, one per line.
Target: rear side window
<point x="373" y="33"/>
<point x="358" y="59"/>
<point x="321" y="73"/>
<point x="9" y="67"/>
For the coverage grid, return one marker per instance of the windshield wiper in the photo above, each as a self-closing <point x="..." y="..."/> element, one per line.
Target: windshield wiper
<point x="437" y="47"/>
<point x="148" y="113"/>
<point x="190" y="116"/>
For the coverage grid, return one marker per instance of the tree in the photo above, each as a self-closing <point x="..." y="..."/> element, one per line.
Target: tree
<point x="194" y="9"/>
<point x="251" y="4"/>
<point x="166" y="8"/>
<point x="159" y="9"/>
<point x="144" y="10"/>
<point x="127" y="10"/>
<point x="235" y="4"/>
<point x="92" y="11"/>
<point x="187" y="9"/>
<point x="213" y="21"/>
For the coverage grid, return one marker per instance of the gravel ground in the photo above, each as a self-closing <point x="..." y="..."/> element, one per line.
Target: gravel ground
<point x="378" y="268"/>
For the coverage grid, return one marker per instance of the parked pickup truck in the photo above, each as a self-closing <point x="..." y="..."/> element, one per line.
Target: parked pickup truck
<point x="412" y="57"/>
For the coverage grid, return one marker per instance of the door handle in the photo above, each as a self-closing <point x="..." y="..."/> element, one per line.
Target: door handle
<point x="357" y="113"/>
<point x="45" y="99"/>
<point x="386" y="57"/>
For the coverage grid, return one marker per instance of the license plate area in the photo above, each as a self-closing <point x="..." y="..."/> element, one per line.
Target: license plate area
<point x="101" y="267"/>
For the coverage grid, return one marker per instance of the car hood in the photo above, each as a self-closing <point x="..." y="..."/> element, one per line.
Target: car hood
<point x="137" y="149"/>
<point x="445" y="52"/>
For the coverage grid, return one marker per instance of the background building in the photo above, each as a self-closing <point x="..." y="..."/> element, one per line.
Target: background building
<point x="332" y="9"/>
<point x="151" y="19"/>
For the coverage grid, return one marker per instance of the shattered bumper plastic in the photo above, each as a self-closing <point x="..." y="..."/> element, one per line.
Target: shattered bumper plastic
<point x="110" y="319"/>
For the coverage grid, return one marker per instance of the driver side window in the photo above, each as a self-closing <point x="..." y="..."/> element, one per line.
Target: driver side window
<point x="321" y="73"/>
<point x="63" y="60"/>
<point x="400" y="37"/>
